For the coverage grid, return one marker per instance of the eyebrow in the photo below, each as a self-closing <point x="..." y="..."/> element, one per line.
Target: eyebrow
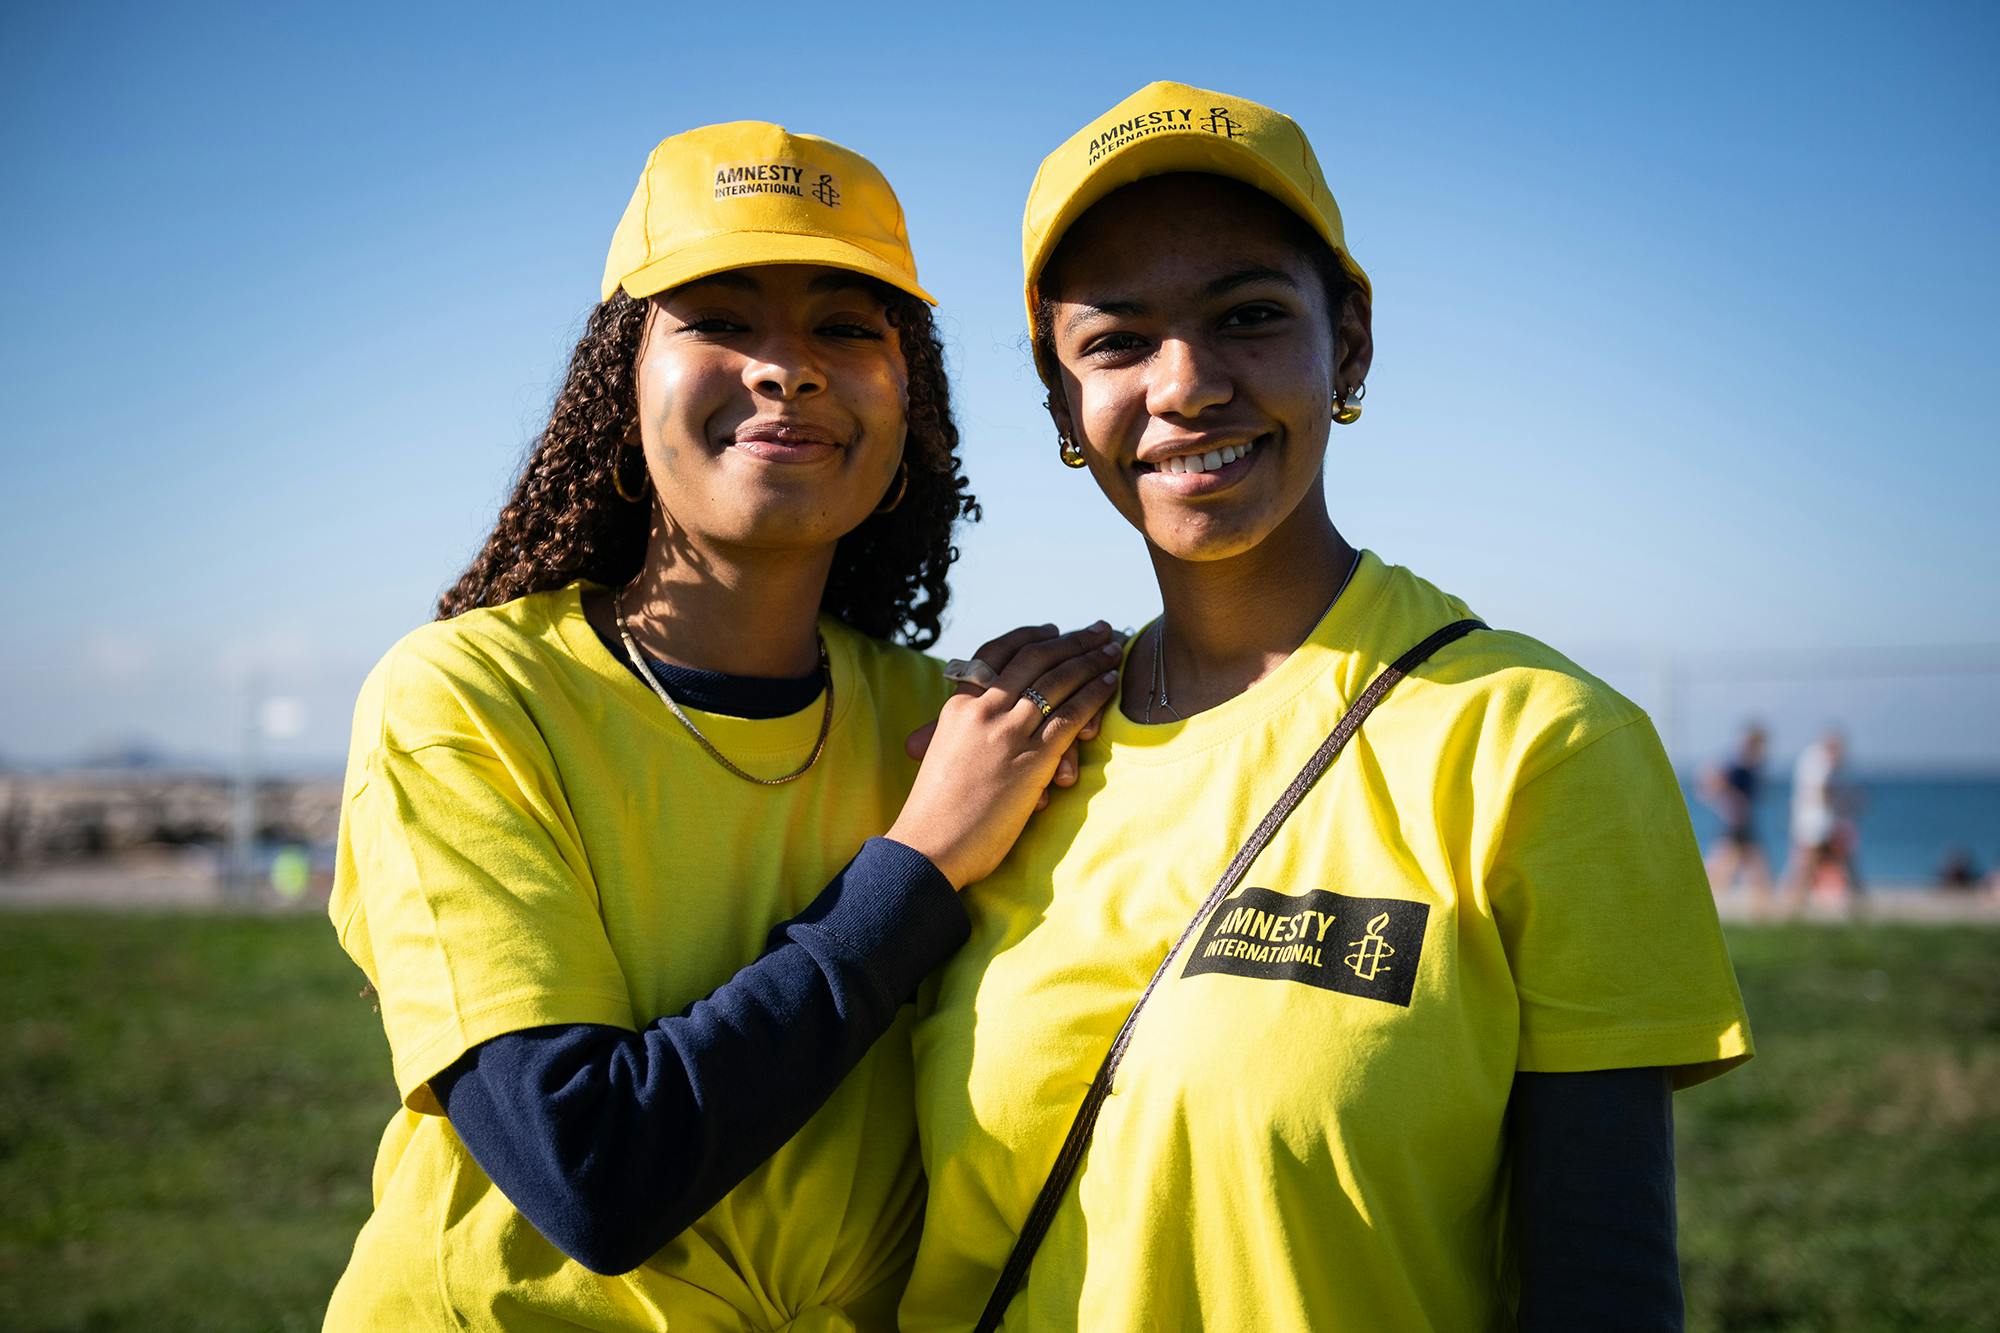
<point x="1243" y="277"/>
<point x="1228" y="282"/>
<point x="1090" y="309"/>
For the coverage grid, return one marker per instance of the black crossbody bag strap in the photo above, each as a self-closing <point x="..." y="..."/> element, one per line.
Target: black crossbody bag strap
<point x="1078" y="1141"/>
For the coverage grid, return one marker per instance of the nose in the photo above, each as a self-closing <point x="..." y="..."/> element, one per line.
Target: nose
<point x="1185" y="381"/>
<point x="783" y="368"/>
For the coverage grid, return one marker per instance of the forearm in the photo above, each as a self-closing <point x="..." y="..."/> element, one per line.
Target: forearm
<point x="612" y="1142"/>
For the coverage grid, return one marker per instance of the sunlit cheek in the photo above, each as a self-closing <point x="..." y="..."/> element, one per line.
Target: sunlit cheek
<point x="1113" y="415"/>
<point x="656" y="395"/>
<point x="683" y="400"/>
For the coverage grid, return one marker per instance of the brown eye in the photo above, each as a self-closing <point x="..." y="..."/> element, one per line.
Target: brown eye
<point x="1249" y="316"/>
<point x="1112" y="344"/>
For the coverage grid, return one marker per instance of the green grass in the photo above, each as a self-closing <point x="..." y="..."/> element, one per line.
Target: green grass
<point x="189" y="1108"/>
<point x="188" y="1112"/>
<point x="1848" y="1178"/>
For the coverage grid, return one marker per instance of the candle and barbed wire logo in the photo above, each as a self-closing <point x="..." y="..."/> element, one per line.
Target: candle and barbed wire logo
<point x="1309" y="938"/>
<point x="826" y="192"/>
<point x="1370" y="950"/>
<point x="1218" y="122"/>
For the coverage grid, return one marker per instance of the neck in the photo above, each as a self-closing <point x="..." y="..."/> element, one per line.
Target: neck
<point x="1231" y="622"/>
<point x="743" y="611"/>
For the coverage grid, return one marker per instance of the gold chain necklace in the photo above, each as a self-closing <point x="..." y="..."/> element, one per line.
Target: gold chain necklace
<point x="645" y="671"/>
<point x="1159" y="691"/>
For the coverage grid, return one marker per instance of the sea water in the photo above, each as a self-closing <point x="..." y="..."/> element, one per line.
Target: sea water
<point x="1906" y="825"/>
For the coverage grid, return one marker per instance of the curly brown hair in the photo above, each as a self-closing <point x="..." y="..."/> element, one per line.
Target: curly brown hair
<point x="566" y="520"/>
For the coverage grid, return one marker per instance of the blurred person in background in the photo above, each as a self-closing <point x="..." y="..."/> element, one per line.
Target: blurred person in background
<point x="1732" y="790"/>
<point x="1959" y="870"/>
<point x="1406" y="1058"/>
<point x="632" y="850"/>
<point x="1825" y="834"/>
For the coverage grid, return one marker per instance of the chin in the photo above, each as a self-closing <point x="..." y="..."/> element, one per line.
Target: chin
<point x="1207" y="550"/>
<point x="1200" y="537"/>
<point x="798" y="527"/>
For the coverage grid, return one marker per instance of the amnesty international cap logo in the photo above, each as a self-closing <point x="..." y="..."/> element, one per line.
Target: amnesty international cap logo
<point x="1169" y="127"/>
<point x="1357" y="946"/>
<point x="749" y="193"/>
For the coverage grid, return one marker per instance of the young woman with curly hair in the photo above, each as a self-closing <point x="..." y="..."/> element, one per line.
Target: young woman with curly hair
<point x="632" y="851"/>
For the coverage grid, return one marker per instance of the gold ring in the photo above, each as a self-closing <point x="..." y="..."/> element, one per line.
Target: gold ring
<point x="1034" y="696"/>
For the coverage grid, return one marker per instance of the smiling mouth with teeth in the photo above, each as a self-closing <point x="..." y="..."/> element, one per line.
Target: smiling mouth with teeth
<point x="1207" y="462"/>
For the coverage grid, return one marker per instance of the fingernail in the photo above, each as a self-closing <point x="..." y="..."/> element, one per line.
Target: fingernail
<point x="1109" y="678"/>
<point x="1096" y="625"/>
<point x="1112" y="649"/>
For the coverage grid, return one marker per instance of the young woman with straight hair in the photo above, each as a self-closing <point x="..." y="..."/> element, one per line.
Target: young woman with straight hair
<point x="632" y="851"/>
<point x="1304" y="1016"/>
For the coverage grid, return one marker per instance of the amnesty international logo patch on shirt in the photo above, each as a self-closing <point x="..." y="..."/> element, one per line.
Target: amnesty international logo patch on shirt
<point x="1357" y="946"/>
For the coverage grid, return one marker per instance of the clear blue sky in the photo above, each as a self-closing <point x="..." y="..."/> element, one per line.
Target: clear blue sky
<point x="1684" y="320"/>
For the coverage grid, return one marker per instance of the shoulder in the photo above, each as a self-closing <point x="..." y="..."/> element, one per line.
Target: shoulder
<point x="1526" y="700"/>
<point x="897" y="676"/>
<point x="463" y="675"/>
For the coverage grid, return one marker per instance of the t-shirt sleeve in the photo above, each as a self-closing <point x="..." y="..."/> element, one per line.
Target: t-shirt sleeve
<point x="456" y="897"/>
<point x="1606" y="916"/>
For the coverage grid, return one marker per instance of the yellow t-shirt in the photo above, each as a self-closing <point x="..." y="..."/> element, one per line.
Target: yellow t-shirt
<point x="530" y="838"/>
<point x="1496" y="875"/>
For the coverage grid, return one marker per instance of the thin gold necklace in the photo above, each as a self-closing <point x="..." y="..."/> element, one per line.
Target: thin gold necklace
<point x="645" y="671"/>
<point x="1159" y="691"/>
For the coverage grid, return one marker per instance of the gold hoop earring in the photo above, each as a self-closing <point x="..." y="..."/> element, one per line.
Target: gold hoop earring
<point x="618" y="478"/>
<point x="1347" y="407"/>
<point x="1070" y="452"/>
<point x="902" y="487"/>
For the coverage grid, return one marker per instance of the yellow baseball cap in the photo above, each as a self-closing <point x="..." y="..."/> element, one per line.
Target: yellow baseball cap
<point x="749" y="193"/>
<point x="1169" y="127"/>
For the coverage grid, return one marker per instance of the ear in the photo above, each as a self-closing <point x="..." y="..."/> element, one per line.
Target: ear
<point x="1353" y="342"/>
<point x="1059" y="413"/>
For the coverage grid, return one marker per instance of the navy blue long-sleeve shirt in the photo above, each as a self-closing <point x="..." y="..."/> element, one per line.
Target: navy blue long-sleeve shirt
<point x="1593" y="1200"/>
